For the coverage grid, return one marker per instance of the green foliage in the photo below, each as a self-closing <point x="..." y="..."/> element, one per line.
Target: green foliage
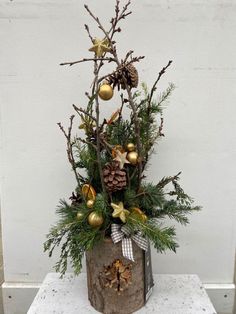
<point x="119" y="132"/>
<point x="150" y="128"/>
<point x="174" y="210"/>
<point x="73" y="236"/>
<point x="150" y="198"/>
<point x="162" y="238"/>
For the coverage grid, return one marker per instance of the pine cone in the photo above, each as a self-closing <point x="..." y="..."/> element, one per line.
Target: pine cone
<point x="131" y="75"/>
<point x="114" y="177"/>
<point x="126" y="74"/>
<point x="75" y="199"/>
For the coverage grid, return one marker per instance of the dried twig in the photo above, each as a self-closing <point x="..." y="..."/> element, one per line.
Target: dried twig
<point x="80" y="110"/>
<point x="88" y="31"/>
<point x="70" y="154"/>
<point x="70" y="63"/>
<point x="98" y="146"/>
<point x="86" y="142"/>
<point x="157" y="80"/>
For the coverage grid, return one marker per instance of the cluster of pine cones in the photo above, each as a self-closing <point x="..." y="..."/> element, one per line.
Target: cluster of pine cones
<point x="114" y="177"/>
<point x="126" y="74"/>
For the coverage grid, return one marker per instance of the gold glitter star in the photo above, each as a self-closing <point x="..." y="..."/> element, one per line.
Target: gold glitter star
<point x="119" y="211"/>
<point x="121" y="158"/>
<point x="100" y="46"/>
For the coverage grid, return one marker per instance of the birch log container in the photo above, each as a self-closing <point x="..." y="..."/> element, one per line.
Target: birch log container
<point x="117" y="285"/>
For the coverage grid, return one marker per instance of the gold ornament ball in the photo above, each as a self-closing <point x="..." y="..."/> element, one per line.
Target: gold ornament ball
<point x="132" y="158"/>
<point x="90" y="203"/>
<point x="105" y="92"/>
<point x="80" y="215"/>
<point x="130" y="147"/>
<point x="95" y="219"/>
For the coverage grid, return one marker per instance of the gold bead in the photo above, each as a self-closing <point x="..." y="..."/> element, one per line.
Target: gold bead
<point x="80" y="215"/>
<point x="90" y="203"/>
<point x="105" y="91"/>
<point x="132" y="157"/>
<point x="95" y="219"/>
<point x="130" y="147"/>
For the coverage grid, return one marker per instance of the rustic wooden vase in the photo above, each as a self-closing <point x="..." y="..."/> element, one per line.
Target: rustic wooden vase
<point x="112" y="292"/>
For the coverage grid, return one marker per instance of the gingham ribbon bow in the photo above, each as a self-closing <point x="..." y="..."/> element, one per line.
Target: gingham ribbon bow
<point x="123" y="233"/>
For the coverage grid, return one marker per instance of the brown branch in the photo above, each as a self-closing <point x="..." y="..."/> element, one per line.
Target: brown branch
<point x="98" y="146"/>
<point x="88" y="31"/>
<point x="69" y="150"/>
<point x="86" y="142"/>
<point x="80" y="110"/>
<point x="157" y="80"/>
<point x="107" y="145"/>
<point x="70" y="63"/>
<point x="118" y="17"/>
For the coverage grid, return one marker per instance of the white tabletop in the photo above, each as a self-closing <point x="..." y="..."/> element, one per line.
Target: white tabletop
<point x="172" y="294"/>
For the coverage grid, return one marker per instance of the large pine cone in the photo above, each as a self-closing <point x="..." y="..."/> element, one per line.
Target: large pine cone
<point x="114" y="177"/>
<point x="126" y="74"/>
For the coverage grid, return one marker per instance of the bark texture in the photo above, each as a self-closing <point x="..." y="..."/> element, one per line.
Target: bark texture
<point x="105" y="299"/>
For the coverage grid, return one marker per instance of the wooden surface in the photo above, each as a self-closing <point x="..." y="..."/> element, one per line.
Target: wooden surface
<point x="172" y="294"/>
<point x="105" y="300"/>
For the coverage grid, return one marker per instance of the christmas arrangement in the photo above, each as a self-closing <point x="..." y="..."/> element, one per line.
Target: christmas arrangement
<point x="113" y="201"/>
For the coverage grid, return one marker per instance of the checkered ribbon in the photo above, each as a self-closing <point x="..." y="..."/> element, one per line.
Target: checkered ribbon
<point x="124" y="234"/>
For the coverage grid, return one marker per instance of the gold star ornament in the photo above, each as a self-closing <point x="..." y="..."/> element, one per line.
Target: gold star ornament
<point x="119" y="211"/>
<point x="100" y="46"/>
<point x="121" y="158"/>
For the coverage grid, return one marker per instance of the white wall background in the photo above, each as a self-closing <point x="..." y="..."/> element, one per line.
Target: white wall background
<point x="36" y="93"/>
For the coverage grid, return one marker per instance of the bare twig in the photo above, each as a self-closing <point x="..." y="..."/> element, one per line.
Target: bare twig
<point x="98" y="146"/>
<point x="107" y="145"/>
<point x="157" y="80"/>
<point x="70" y="63"/>
<point x="70" y="154"/>
<point x="86" y="142"/>
<point x="88" y="31"/>
<point x="160" y="133"/>
<point x="80" y="110"/>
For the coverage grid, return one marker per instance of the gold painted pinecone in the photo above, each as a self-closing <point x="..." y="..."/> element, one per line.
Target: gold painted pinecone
<point x="128" y="73"/>
<point x="114" y="177"/>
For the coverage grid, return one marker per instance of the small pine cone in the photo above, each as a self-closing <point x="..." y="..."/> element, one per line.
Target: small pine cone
<point x="131" y="75"/>
<point x="114" y="177"/>
<point x="126" y="74"/>
<point x="75" y="199"/>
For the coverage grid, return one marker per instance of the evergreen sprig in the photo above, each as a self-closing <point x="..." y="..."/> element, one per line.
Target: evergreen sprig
<point x="162" y="238"/>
